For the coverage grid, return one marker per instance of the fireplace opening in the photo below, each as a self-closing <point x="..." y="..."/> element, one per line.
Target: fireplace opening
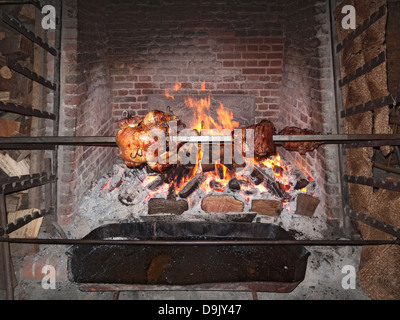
<point x="209" y="113"/>
<point x="245" y="57"/>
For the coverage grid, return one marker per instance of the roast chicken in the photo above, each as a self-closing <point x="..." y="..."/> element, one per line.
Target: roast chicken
<point x="135" y="138"/>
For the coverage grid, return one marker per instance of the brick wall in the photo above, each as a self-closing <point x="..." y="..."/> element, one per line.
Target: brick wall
<point x="117" y="52"/>
<point x="308" y="94"/>
<point x="235" y="47"/>
<point x="85" y="102"/>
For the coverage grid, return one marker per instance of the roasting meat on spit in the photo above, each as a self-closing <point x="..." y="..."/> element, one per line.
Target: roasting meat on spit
<point x="134" y="139"/>
<point x="300" y="147"/>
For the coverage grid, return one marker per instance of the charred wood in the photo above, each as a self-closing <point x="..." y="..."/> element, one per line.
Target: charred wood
<point x="176" y="207"/>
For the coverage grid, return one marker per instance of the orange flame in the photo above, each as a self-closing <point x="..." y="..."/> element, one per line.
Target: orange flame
<point x="176" y="88"/>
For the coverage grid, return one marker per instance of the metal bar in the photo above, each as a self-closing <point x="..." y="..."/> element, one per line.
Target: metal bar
<point x="372" y="105"/>
<point x="372" y="222"/>
<point x="36" y="3"/>
<point x="21" y="222"/>
<point x="372" y="144"/>
<point x="366" y="24"/>
<point x="26" y="111"/>
<point x="386" y="168"/>
<point x="26" y="147"/>
<point x="372" y="182"/>
<point x="6" y="252"/>
<point x="203" y="242"/>
<point x="110" y="140"/>
<point x="364" y="69"/>
<point x="27" y="183"/>
<point x="30" y="74"/>
<point x="18" y="26"/>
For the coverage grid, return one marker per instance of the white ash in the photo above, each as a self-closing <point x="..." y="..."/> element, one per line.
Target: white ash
<point x="99" y="207"/>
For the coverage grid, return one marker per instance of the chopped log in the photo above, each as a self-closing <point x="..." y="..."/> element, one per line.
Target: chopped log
<point x="27" y="13"/>
<point x="13" y="168"/>
<point x="271" y="208"/>
<point x="16" y="46"/>
<point x="221" y="204"/>
<point x="191" y="186"/>
<point x="31" y="230"/>
<point x="7" y="128"/>
<point x="157" y="205"/>
<point x="4" y="96"/>
<point x="306" y="205"/>
<point x="6" y="73"/>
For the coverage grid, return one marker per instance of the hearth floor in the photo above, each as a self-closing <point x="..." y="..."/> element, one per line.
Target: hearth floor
<point x="323" y="281"/>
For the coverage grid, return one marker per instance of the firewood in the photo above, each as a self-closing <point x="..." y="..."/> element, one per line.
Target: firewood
<point x="306" y="205"/>
<point x="221" y="204"/>
<point x="6" y="73"/>
<point x="157" y="205"/>
<point x="16" y="46"/>
<point x="297" y="178"/>
<point x="191" y="186"/>
<point x="7" y="128"/>
<point x="4" y="96"/>
<point x="267" y="207"/>
<point x="234" y="184"/>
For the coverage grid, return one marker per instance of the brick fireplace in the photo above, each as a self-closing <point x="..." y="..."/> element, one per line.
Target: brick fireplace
<point x="119" y="54"/>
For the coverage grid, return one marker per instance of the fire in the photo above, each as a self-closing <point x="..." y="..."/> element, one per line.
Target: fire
<point x="176" y="88"/>
<point x="218" y="180"/>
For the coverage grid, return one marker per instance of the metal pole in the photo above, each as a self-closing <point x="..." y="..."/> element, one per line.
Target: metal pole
<point x="111" y="141"/>
<point x="6" y="252"/>
<point x="203" y="242"/>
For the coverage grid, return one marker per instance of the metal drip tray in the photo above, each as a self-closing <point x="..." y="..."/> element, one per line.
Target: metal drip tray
<point x="216" y="266"/>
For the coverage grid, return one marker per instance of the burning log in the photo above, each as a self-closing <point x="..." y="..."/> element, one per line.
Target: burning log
<point x="221" y="204"/>
<point x="267" y="207"/>
<point x="217" y="186"/>
<point x="270" y="182"/>
<point x="191" y="186"/>
<point x="156" y="183"/>
<point x="306" y="205"/>
<point x="157" y="205"/>
<point x="234" y="184"/>
<point x="297" y="178"/>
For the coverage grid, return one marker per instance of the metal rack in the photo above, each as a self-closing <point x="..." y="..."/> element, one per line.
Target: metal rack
<point x="17" y="184"/>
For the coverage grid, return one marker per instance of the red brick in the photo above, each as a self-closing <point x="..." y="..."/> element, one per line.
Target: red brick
<point x="230" y="56"/>
<point x="253" y="71"/>
<point x="143" y="85"/>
